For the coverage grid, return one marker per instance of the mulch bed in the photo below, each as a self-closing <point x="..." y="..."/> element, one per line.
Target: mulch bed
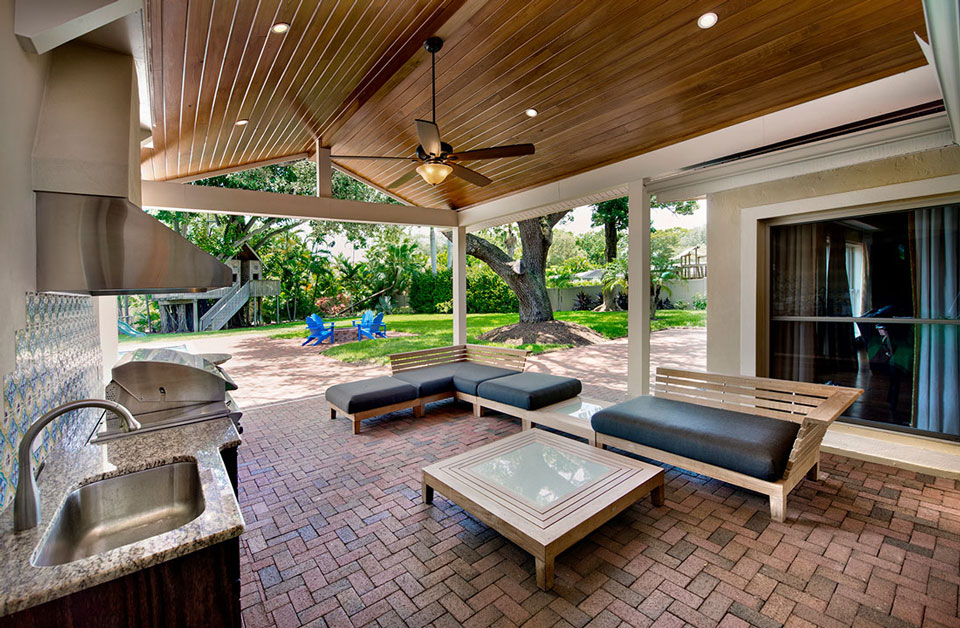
<point x="549" y="332"/>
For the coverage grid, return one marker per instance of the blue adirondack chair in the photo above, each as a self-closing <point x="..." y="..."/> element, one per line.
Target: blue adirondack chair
<point x="318" y="330"/>
<point x="365" y="319"/>
<point x="375" y="328"/>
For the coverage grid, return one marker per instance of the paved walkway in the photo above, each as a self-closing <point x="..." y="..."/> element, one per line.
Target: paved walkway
<point x="268" y="370"/>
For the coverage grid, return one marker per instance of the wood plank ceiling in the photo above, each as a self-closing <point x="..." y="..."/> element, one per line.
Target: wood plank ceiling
<point x="611" y="80"/>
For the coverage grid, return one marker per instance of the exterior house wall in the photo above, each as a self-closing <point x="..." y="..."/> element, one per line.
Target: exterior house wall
<point x="22" y="73"/>
<point x="727" y="267"/>
<point x="51" y="346"/>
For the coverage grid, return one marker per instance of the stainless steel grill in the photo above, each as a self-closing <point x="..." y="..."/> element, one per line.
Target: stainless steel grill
<point x="164" y="388"/>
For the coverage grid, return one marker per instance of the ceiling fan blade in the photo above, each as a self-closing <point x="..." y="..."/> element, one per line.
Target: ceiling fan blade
<point x="470" y="176"/>
<point x="372" y="157"/>
<point x="403" y="179"/>
<point x="496" y="152"/>
<point x="429" y="135"/>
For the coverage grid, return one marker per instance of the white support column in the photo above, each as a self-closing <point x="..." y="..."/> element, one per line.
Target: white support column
<point x="324" y="175"/>
<point x="638" y="315"/>
<point x="459" y="285"/>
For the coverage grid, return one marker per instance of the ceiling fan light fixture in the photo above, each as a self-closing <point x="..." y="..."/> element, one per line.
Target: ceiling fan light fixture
<point x="434" y="172"/>
<point x="707" y="20"/>
<point x="280" y="27"/>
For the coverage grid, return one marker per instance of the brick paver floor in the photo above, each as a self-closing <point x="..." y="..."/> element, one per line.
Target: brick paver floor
<point x="337" y="536"/>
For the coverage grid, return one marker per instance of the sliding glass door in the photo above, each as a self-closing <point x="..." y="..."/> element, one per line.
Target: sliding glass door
<point x="872" y="301"/>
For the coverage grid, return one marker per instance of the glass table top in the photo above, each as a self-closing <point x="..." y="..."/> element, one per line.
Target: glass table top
<point x="579" y="409"/>
<point x="539" y="473"/>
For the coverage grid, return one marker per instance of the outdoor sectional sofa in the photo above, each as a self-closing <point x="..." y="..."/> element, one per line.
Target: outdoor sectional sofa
<point x="757" y="433"/>
<point x="760" y="434"/>
<point x="472" y="373"/>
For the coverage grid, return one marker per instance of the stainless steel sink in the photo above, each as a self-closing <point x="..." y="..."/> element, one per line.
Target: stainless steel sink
<point x="110" y="513"/>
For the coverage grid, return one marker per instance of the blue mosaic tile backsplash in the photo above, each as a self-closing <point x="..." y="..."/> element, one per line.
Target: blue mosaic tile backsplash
<point x="58" y="360"/>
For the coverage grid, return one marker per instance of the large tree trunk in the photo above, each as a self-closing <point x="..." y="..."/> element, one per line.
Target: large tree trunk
<point x="527" y="278"/>
<point x="610" y="253"/>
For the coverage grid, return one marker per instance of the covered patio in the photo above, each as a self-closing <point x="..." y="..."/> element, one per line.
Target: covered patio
<point x="776" y="114"/>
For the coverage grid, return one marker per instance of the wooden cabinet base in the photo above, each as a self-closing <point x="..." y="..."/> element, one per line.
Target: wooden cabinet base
<point x="199" y="589"/>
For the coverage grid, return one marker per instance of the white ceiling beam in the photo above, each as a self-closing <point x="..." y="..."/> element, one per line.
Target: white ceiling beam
<point x="893" y="93"/>
<point x="206" y="199"/>
<point x="42" y="25"/>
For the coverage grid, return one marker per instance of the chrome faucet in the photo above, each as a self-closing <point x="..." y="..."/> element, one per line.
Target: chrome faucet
<point x="26" y="504"/>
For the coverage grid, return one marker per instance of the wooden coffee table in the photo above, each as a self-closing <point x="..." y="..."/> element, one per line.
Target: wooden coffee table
<point x="542" y="491"/>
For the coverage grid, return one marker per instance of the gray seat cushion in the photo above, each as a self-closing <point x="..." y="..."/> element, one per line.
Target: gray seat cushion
<point x="469" y="375"/>
<point x="430" y="380"/>
<point x="368" y="394"/>
<point x="530" y="391"/>
<point x="753" y="445"/>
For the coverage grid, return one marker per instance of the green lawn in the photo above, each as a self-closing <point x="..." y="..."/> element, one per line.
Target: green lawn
<point x="436" y="330"/>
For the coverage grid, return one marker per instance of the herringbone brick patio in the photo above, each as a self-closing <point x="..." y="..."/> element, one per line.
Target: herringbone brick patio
<point x="337" y="536"/>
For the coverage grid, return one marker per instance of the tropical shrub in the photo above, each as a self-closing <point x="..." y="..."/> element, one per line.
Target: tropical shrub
<point x="385" y="304"/>
<point x="699" y="301"/>
<point x="582" y="302"/>
<point x="487" y="292"/>
<point x="332" y="306"/>
<point x="427" y="290"/>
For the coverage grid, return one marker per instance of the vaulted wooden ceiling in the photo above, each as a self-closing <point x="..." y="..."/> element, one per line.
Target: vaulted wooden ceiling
<point x="611" y="80"/>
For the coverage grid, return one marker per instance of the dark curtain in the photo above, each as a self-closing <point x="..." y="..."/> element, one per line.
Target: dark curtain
<point x="936" y="260"/>
<point x="794" y="289"/>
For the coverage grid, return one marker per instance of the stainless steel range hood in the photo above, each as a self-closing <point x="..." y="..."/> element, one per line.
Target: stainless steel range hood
<point x="102" y="245"/>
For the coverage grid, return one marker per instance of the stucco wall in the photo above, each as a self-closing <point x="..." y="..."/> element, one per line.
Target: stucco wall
<point x="22" y="75"/>
<point x="724" y="233"/>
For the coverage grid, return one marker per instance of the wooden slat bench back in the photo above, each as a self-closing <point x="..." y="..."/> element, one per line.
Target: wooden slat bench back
<point x="492" y="356"/>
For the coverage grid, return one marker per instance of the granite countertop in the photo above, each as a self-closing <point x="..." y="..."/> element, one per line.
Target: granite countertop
<point x="22" y="585"/>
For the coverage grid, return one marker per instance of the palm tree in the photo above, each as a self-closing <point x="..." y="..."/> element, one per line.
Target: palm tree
<point x="615" y="276"/>
<point x="659" y="276"/>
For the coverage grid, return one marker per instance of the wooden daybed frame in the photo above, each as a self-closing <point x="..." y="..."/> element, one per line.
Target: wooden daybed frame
<point x="813" y="406"/>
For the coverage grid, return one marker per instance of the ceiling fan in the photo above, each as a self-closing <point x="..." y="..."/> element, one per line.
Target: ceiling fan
<point x="438" y="157"/>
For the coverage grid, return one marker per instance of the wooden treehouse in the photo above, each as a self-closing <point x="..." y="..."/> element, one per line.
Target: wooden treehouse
<point x="236" y="306"/>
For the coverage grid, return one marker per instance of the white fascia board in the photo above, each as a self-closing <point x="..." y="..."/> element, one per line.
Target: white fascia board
<point x="893" y="93"/>
<point x="206" y="199"/>
<point x="872" y="145"/>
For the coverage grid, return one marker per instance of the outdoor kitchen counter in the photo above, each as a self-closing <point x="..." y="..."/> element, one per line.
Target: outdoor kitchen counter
<point x="22" y="585"/>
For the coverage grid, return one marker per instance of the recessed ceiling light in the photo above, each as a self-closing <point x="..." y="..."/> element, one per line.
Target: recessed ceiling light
<point x="707" y="20"/>
<point x="241" y="122"/>
<point x="531" y="113"/>
<point x="280" y="27"/>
